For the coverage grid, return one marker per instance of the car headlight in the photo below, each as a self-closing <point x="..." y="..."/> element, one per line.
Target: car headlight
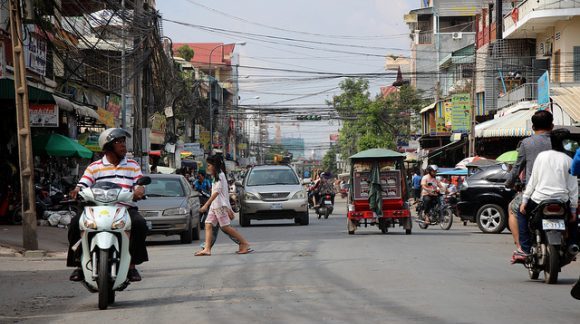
<point x="300" y="195"/>
<point x="251" y="196"/>
<point x="175" y="211"/>
<point x="105" y="196"/>
<point x="119" y="221"/>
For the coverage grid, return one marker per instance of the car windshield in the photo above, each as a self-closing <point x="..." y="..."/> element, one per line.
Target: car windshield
<point x="272" y="177"/>
<point x="164" y="188"/>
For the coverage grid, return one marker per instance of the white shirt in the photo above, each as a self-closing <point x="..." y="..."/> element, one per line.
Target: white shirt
<point x="223" y="197"/>
<point x="551" y="179"/>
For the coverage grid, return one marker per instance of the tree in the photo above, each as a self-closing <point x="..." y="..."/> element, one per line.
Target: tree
<point x="186" y="52"/>
<point x="373" y="123"/>
<point x="329" y="160"/>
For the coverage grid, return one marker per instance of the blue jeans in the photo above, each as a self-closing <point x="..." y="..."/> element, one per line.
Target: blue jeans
<point x="524" y="237"/>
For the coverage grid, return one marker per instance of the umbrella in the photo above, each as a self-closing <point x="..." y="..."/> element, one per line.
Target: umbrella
<point x="59" y="145"/>
<point x="508" y="157"/>
<point x="376" y="191"/>
<point x="463" y="164"/>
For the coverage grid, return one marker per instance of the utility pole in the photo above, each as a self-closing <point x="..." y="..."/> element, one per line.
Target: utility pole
<point x="472" y="117"/>
<point x="29" y="236"/>
<point x="123" y="76"/>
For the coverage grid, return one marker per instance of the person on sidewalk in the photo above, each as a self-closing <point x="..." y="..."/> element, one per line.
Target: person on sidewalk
<point x="113" y="167"/>
<point x="528" y="150"/>
<point x="416" y="180"/>
<point x="220" y="211"/>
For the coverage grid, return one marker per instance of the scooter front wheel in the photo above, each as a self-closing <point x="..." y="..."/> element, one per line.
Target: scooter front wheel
<point x="103" y="280"/>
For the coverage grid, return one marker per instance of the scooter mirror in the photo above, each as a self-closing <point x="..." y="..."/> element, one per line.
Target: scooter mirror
<point x="143" y="181"/>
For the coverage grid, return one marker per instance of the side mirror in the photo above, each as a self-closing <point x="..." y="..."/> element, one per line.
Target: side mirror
<point x="143" y="181"/>
<point x="239" y="184"/>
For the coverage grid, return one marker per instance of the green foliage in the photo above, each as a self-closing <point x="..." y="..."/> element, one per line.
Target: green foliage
<point x="186" y="52"/>
<point x="329" y="160"/>
<point x="374" y="123"/>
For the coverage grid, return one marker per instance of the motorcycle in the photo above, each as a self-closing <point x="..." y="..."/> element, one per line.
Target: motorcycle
<point x="234" y="194"/>
<point x="441" y="214"/>
<point x="203" y="198"/>
<point x="105" y="231"/>
<point x="326" y="206"/>
<point x="548" y="226"/>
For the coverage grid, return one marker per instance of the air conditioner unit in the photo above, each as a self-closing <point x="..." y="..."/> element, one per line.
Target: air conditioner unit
<point x="457" y="35"/>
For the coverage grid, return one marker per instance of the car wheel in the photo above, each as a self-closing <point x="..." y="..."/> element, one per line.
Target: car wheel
<point x="244" y="220"/>
<point x="305" y="219"/>
<point x="187" y="236"/>
<point x="491" y="218"/>
<point x="196" y="230"/>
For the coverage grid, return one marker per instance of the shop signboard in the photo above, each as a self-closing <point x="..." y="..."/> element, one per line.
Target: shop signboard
<point x="461" y="112"/>
<point x="447" y="112"/>
<point x="440" y="126"/>
<point x="90" y="140"/>
<point x="158" y="124"/>
<point x="204" y="139"/>
<point x="43" y="115"/>
<point x="544" y="91"/>
<point x="106" y="117"/>
<point x="114" y="105"/>
<point x="35" y="51"/>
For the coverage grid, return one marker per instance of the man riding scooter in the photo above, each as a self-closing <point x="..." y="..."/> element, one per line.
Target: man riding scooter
<point x="113" y="167"/>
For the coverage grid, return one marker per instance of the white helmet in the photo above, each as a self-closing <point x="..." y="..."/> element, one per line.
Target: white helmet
<point x="111" y="134"/>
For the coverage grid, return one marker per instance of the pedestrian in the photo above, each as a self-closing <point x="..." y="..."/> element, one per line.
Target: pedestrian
<point x="416" y="180"/>
<point x="220" y="211"/>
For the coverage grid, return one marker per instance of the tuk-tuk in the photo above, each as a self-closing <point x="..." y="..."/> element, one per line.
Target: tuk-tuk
<point x="378" y="191"/>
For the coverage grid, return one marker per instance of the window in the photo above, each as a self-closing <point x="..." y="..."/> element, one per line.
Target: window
<point x="165" y="188"/>
<point x="557" y="66"/>
<point x="272" y="177"/>
<point x="576" y="63"/>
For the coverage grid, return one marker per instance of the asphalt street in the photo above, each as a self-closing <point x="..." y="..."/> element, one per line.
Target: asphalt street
<point x="306" y="274"/>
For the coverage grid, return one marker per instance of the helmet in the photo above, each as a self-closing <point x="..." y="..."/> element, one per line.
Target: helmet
<point x="432" y="167"/>
<point x="111" y="134"/>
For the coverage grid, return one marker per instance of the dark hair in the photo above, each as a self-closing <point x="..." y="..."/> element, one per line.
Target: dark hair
<point x="219" y="164"/>
<point x="542" y="120"/>
<point x="557" y="137"/>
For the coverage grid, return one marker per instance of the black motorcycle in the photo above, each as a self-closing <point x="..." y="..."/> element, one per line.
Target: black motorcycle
<point x="550" y="252"/>
<point x="441" y="214"/>
<point x="203" y="198"/>
<point x="326" y="205"/>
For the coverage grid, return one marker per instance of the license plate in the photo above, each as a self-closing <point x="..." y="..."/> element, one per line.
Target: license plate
<point x="553" y="224"/>
<point x="149" y="225"/>
<point x="328" y="202"/>
<point x="276" y="206"/>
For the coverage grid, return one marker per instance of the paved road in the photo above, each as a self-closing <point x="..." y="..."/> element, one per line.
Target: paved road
<point x="313" y="274"/>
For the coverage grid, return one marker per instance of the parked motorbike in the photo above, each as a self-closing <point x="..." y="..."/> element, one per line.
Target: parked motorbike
<point x="326" y="206"/>
<point x="441" y="214"/>
<point x="105" y="229"/>
<point x="550" y="252"/>
<point x="234" y="197"/>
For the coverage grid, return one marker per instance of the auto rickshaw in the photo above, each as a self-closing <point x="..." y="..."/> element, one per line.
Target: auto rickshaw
<point x="378" y="191"/>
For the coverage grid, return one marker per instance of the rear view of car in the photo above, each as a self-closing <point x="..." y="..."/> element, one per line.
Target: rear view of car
<point x="272" y="192"/>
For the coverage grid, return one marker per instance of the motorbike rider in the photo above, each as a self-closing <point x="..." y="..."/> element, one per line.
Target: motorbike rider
<point x="528" y="150"/>
<point x="551" y="179"/>
<point x="202" y="184"/>
<point x="323" y="187"/>
<point x="430" y="189"/>
<point x="117" y="168"/>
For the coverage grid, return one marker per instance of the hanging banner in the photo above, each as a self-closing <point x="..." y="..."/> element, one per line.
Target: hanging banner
<point x="544" y="91"/>
<point x="461" y="113"/>
<point x="34" y="50"/>
<point x="158" y="125"/>
<point x="106" y="117"/>
<point x="43" y="115"/>
<point x="447" y="112"/>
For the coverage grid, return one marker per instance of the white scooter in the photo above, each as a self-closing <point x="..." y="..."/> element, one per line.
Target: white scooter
<point x="105" y="231"/>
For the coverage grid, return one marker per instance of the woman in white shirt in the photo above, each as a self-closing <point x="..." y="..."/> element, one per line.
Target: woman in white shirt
<point x="220" y="211"/>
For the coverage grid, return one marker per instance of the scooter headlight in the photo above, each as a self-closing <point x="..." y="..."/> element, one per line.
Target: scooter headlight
<point x="89" y="220"/>
<point x="119" y="221"/>
<point x="106" y="196"/>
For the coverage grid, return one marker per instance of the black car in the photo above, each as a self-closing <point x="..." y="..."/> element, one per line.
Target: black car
<point x="484" y="199"/>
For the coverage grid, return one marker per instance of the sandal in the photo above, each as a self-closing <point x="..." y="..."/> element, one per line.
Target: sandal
<point x="248" y="251"/>
<point x="202" y="253"/>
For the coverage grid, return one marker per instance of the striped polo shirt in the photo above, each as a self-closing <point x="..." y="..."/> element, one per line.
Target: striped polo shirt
<point x="125" y="174"/>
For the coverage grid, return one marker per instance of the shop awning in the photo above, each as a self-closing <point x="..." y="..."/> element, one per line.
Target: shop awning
<point x="426" y="109"/>
<point x="68" y="105"/>
<point x="567" y="98"/>
<point x="517" y="124"/>
<point x="449" y="147"/>
<point x="34" y="94"/>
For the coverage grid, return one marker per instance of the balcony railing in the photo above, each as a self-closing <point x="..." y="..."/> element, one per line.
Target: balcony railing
<point x="425" y="38"/>
<point x="527" y="6"/>
<point x="524" y="92"/>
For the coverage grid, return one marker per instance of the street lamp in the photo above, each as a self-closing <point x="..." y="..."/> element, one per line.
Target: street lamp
<point x="211" y="92"/>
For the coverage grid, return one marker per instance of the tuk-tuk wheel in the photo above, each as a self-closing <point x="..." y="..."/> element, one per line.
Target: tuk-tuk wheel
<point x="350" y="232"/>
<point x="350" y="226"/>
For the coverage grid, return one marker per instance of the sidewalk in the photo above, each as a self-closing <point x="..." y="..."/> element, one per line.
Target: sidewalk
<point x="50" y="239"/>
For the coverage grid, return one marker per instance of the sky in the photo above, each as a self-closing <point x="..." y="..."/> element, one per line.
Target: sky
<point x="328" y="36"/>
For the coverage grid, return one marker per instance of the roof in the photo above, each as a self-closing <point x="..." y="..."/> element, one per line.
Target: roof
<point x="388" y="90"/>
<point x="427" y="108"/>
<point x="272" y="167"/>
<point x="221" y="54"/>
<point x="567" y="98"/>
<point x="377" y="153"/>
<point x="517" y="124"/>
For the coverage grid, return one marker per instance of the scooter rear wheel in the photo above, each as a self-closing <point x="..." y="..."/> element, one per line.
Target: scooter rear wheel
<point x="552" y="268"/>
<point x="103" y="280"/>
